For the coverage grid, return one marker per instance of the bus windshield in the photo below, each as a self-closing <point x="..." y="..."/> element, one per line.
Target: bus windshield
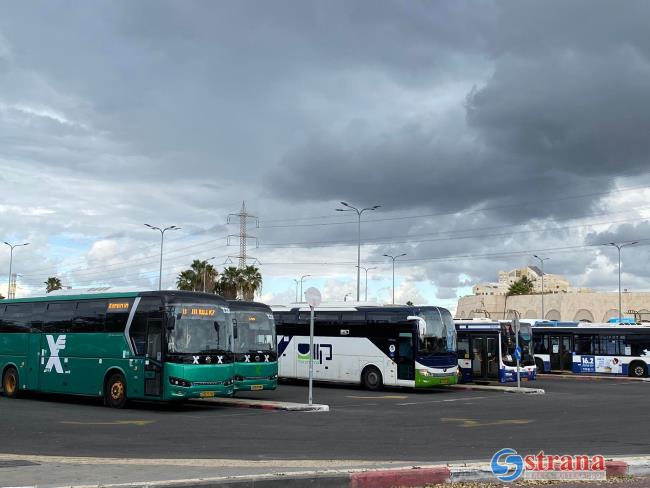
<point x="255" y="331"/>
<point x="440" y="335"/>
<point x="199" y="328"/>
<point x="508" y="344"/>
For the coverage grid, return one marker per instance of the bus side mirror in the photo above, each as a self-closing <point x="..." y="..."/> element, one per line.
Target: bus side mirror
<point x="171" y="323"/>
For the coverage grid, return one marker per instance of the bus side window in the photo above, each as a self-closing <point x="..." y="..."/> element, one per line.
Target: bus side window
<point x="117" y="317"/>
<point x="89" y="316"/>
<point x="17" y="318"/>
<point x="463" y="348"/>
<point x="58" y="317"/>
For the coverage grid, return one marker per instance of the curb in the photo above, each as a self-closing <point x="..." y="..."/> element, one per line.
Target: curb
<point x="505" y="389"/>
<point x="411" y="477"/>
<point x="267" y="405"/>
<point x="578" y="377"/>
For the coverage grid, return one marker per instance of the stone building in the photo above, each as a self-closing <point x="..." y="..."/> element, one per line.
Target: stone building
<point x="588" y="306"/>
<point x="552" y="283"/>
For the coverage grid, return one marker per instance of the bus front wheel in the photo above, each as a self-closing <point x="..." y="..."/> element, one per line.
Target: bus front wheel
<point x="10" y="382"/>
<point x="115" y="391"/>
<point x="638" y="370"/>
<point x="540" y="365"/>
<point x="371" y="378"/>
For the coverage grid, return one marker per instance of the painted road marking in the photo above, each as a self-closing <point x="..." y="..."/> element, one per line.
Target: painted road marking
<point x="387" y="397"/>
<point x="478" y="423"/>
<point x="117" y="422"/>
<point x="442" y="401"/>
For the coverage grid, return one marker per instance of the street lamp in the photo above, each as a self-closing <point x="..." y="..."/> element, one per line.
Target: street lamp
<point x="205" y="271"/>
<point x="162" y="239"/>
<point x="350" y="208"/>
<point x="345" y="298"/>
<point x="11" y="259"/>
<point x="366" y="270"/>
<point x="619" y="247"/>
<point x="297" y="282"/>
<point x="541" y="262"/>
<point x="394" y="258"/>
<point x="301" y="280"/>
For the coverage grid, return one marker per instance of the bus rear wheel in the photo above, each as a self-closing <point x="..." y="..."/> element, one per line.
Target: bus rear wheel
<point x="540" y="365"/>
<point x="10" y="382"/>
<point x="115" y="391"/>
<point x="371" y="379"/>
<point x="638" y="370"/>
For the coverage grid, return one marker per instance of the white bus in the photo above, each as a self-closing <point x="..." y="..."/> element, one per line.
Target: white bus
<point x="368" y="345"/>
<point x="583" y="348"/>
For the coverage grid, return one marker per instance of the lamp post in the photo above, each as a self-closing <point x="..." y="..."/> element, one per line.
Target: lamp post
<point x="297" y="282"/>
<point x="350" y="208"/>
<point x="11" y="259"/>
<point x="301" y="280"/>
<point x="394" y="258"/>
<point x="162" y="240"/>
<point x="619" y="247"/>
<point x="205" y="271"/>
<point x="345" y="298"/>
<point x="366" y="270"/>
<point x="541" y="262"/>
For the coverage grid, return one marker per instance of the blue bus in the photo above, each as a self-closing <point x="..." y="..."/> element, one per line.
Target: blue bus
<point x="486" y="351"/>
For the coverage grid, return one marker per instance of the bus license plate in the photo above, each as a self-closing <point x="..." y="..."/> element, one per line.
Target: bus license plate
<point x="257" y="387"/>
<point x="444" y="381"/>
<point x="207" y="394"/>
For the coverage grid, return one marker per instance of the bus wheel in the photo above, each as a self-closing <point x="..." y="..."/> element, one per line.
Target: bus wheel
<point x="638" y="370"/>
<point x="10" y="382"/>
<point x="115" y="391"/>
<point x="371" y="378"/>
<point x="540" y="365"/>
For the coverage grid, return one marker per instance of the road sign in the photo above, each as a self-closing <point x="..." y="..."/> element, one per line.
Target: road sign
<point x="313" y="297"/>
<point x="518" y="353"/>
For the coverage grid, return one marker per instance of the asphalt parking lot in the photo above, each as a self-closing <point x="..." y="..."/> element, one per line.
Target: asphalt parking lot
<point x="603" y="417"/>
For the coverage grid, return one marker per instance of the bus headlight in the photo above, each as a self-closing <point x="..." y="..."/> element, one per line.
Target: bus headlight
<point x="228" y="382"/>
<point x="274" y="377"/>
<point x="426" y="372"/>
<point x="179" y="382"/>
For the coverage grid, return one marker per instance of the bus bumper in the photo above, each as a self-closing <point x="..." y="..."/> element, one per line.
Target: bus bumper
<point x="203" y="391"/>
<point x="256" y="384"/>
<point x="526" y="373"/>
<point x="424" y="380"/>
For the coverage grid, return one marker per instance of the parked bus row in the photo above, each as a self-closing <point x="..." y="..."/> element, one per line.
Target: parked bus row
<point x="168" y="346"/>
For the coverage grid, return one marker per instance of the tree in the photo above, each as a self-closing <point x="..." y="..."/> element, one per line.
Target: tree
<point x="409" y="303"/>
<point x="230" y="282"/>
<point x="201" y="276"/>
<point x="522" y="286"/>
<point x="251" y="282"/>
<point x="53" y="283"/>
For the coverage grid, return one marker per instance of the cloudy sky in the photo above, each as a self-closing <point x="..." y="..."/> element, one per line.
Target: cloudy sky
<point x="487" y="131"/>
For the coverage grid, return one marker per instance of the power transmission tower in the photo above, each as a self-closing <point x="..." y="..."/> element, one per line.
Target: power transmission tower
<point x="243" y="217"/>
<point x="12" y="286"/>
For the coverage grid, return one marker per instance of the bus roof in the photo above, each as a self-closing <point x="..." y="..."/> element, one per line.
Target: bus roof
<point x="81" y="295"/>
<point x="247" y="305"/>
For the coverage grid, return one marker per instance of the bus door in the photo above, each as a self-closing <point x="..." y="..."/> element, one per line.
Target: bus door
<point x="406" y="356"/>
<point x="485" y="357"/>
<point x="561" y="353"/>
<point x="478" y="363"/>
<point x="492" y="356"/>
<point x="153" y="365"/>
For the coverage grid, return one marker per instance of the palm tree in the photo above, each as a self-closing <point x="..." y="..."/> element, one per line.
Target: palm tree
<point x="52" y="283"/>
<point x="230" y="282"/>
<point x="251" y="282"/>
<point x="521" y="287"/>
<point x="201" y="276"/>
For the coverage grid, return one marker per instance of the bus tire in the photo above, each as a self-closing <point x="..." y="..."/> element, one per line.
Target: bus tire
<point x="371" y="378"/>
<point x="10" y="382"/>
<point x="540" y="365"/>
<point x="115" y="391"/>
<point x="638" y="369"/>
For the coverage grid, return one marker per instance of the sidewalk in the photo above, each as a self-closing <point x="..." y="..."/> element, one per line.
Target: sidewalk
<point x="571" y="376"/>
<point x="53" y="471"/>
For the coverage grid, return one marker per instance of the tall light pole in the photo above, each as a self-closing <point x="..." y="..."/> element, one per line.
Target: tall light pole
<point x="345" y="298"/>
<point x="162" y="240"/>
<point x="205" y="271"/>
<point x="297" y="282"/>
<point x="394" y="258"/>
<point x="541" y="262"/>
<point x="301" y="280"/>
<point x="11" y="259"/>
<point x="350" y="208"/>
<point x="619" y="247"/>
<point x="366" y="270"/>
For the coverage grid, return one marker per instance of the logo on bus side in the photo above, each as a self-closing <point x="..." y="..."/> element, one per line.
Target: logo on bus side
<point x="322" y="352"/>
<point x="54" y="361"/>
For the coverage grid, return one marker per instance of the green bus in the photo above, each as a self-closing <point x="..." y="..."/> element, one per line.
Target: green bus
<point x="151" y="345"/>
<point x="256" y="358"/>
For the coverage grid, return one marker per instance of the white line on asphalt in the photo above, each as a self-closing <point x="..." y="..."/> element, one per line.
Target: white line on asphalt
<point x="442" y="401"/>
